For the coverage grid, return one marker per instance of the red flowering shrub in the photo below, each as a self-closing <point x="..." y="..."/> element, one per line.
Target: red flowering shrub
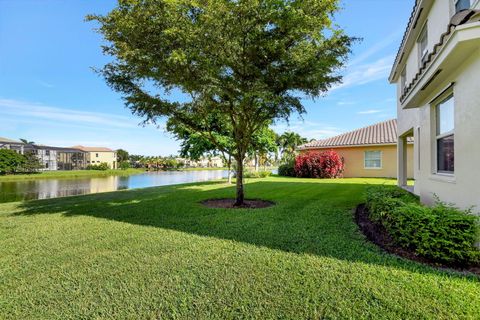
<point x="319" y="164"/>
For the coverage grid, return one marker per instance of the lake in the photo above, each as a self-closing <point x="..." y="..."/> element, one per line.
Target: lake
<point x="53" y="188"/>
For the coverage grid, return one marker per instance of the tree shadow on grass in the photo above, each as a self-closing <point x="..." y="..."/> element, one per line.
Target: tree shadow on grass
<point x="308" y="218"/>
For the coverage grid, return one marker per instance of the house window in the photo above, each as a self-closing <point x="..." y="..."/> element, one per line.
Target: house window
<point x="423" y="45"/>
<point x="445" y="129"/>
<point x="373" y="160"/>
<point x="461" y="5"/>
<point x="403" y="80"/>
<point x="96" y="155"/>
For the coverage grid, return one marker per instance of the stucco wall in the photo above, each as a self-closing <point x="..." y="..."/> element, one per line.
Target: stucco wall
<point x="103" y="156"/>
<point x="463" y="188"/>
<point x="354" y="161"/>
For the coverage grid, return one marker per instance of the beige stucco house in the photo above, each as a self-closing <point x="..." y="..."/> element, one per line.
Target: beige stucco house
<point x="98" y="155"/>
<point x="437" y="73"/>
<point x="367" y="152"/>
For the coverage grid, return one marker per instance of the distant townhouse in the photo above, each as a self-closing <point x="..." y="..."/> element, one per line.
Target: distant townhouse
<point x="437" y="73"/>
<point x="204" y="162"/>
<point x="58" y="158"/>
<point x="97" y="155"/>
<point x="15" y="145"/>
<point x="367" y="152"/>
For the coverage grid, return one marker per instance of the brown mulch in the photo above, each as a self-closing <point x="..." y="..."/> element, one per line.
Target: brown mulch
<point x="377" y="234"/>
<point x="229" y="204"/>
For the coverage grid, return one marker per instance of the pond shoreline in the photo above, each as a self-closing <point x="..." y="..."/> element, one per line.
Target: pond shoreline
<point x="72" y="184"/>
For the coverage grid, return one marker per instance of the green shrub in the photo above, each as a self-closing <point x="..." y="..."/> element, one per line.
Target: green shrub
<point x="257" y="174"/>
<point x="441" y="233"/>
<point x="382" y="200"/>
<point x="124" y="165"/>
<point x="102" y="166"/>
<point x="287" y="169"/>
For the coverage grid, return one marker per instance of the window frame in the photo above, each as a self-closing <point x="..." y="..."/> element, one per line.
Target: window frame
<point x="403" y="80"/>
<point x="365" y="160"/>
<point x="423" y="35"/>
<point x="437" y="136"/>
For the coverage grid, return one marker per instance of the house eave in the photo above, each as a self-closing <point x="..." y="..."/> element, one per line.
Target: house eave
<point x="412" y="23"/>
<point x="348" y="146"/>
<point x="463" y="42"/>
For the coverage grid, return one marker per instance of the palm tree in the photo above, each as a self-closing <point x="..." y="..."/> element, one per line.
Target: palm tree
<point x="25" y="141"/>
<point x="289" y="141"/>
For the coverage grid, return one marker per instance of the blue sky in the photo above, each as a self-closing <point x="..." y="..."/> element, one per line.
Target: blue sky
<point x="49" y="94"/>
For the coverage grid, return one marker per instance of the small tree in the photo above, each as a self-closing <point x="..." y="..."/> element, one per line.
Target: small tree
<point x="122" y="155"/>
<point x="32" y="162"/>
<point x="262" y="144"/>
<point x="249" y="62"/>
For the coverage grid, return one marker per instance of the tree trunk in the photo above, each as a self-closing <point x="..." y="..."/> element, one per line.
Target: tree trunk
<point x="257" y="160"/>
<point x="240" y="196"/>
<point x="229" y="167"/>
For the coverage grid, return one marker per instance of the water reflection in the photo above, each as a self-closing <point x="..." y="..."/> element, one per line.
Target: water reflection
<point x="53" y="188"/>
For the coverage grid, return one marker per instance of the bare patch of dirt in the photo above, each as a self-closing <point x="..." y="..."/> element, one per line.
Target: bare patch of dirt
<point x="230" y="204"/>
<point x="377" y="234"/>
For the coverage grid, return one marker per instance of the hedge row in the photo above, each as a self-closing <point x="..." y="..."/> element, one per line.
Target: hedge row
<point x="441" y="233"/>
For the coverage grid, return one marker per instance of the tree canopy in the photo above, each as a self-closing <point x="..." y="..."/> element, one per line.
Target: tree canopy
<point x="241" y="63"/>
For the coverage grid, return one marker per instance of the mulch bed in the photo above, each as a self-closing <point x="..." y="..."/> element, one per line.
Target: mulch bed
<point x="229" y="204"/>
<point x="377" y="234"/>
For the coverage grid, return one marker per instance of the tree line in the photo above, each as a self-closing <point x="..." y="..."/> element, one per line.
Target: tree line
<point x="12" y="162"/>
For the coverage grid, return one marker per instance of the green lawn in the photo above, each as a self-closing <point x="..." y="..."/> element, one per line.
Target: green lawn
<point x="69" y="174"/>
<point x="157" y="253"/>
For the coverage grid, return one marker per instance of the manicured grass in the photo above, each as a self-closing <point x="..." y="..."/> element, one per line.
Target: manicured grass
<point x="69" y="174"/>
<point x="157" y="253"/>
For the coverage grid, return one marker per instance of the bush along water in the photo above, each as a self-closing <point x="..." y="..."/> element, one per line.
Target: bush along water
<point x="256" y="174"/>
<point x="441" y="233"/>
<point x="287" y="169"/>
<point x="102" y="166"/>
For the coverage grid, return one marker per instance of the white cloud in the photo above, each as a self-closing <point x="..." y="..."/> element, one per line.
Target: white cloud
<point x="372" y="50"/>
<point x="22" y="110"/>
<point x="366" y="73"/>
<point x="371" y="111"/>
<point x="308" y="129"/>
<point x="45" y="84"/>
<point x="346" y="103"/>
<point x="67" y="127"/>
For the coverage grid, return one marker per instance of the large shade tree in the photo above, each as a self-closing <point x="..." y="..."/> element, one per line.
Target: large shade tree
<point x="250" y="61"/>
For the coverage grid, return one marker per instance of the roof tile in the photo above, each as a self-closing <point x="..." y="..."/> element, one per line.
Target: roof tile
<point x="379" y="133"/>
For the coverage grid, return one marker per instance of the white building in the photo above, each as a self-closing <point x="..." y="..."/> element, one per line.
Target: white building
<point x="437" y="74"/>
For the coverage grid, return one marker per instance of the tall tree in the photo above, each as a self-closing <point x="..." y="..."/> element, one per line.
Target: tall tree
<point x="122" y="155"/>
<point x="250" y="61"/>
